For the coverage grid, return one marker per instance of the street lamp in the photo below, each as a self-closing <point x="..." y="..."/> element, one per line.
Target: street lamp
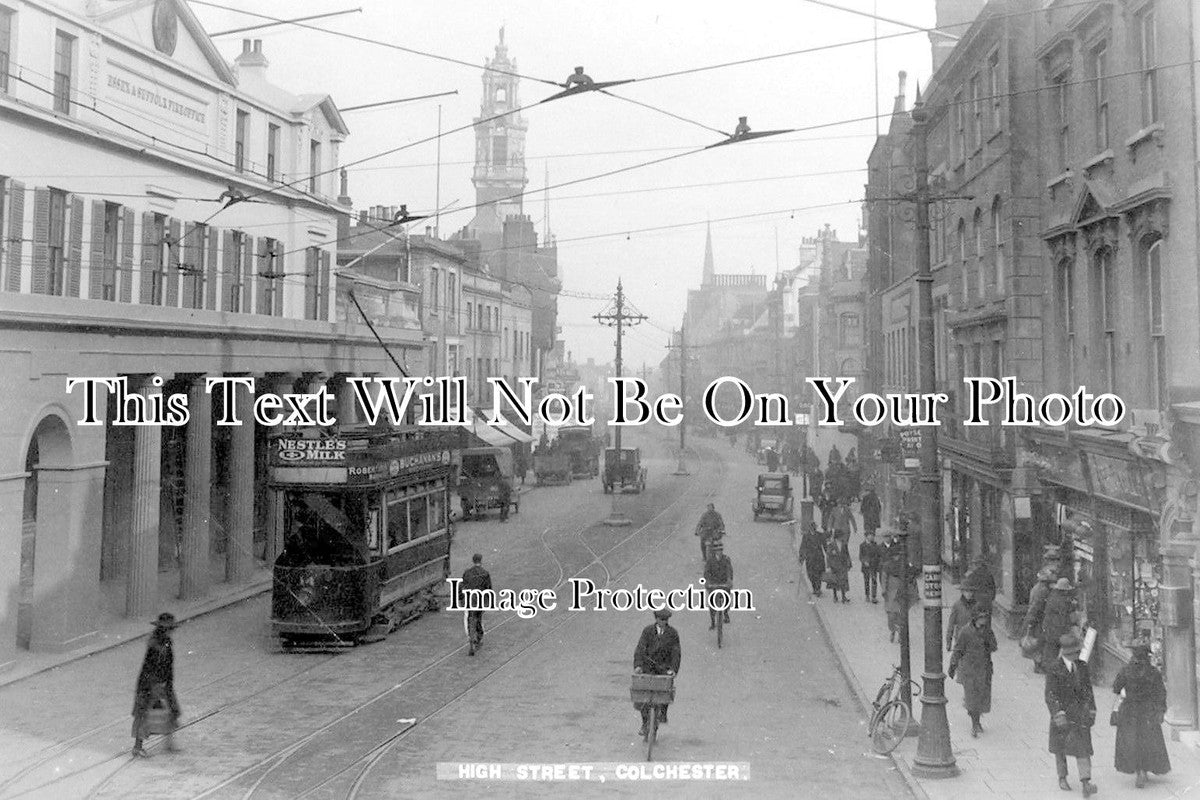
<point x="934" y="758"/>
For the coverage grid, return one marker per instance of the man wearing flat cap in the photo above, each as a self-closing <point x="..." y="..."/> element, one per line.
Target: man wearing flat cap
<point x="657" y="653"/>
<point x="156" y="688"/>
<point x="1072" y="707"/>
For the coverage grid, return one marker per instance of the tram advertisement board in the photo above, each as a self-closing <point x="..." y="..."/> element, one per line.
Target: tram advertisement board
<point x="337" y="460"/>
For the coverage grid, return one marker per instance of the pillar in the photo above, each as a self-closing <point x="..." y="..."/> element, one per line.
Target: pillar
<point x="141" y="595"/>
<point x="1179" y="635"/>
<point x="67" y="555"/>
<point x="12" y="498"/>
<point x="239" y="551"/>
<point x="195" y="559"/>
<point x="347" y="408"/>
<point x="281" y="385"/>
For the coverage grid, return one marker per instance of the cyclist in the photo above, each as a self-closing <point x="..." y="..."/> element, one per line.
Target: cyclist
<point x="657" y="653"/>
<point x="475" y="577"/>
<point x="718" y="572"/>
<point x="711" y="527"/>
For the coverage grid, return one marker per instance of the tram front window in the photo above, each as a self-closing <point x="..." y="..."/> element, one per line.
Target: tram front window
<point x="323" y="529"/>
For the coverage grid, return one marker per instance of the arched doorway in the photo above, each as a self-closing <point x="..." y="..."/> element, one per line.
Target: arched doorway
<point x="50" y="446"/>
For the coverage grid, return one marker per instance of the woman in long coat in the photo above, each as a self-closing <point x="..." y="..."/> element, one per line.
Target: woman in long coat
<point x="1140" y="745"/>
<point x="837" y="558"/>
<point x="971" y="666"/>
<point x="156" y="681"/>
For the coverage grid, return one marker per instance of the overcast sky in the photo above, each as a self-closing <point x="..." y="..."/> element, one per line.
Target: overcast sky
<point x="586" y="135"/>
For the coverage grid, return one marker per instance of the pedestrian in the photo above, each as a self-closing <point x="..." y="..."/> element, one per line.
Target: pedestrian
<point x="835" y="456"/>
<point x="871" y="509"/>
<point x="1072" y="707"/>
<point x="478" y="578"/>
<point x="985" y="584"/>
<point x="835" y="481"/>
<point x="826" y="505"/>
<point x="843" y="522"/>
<point x="155" y="692"/>
<point x="1057" y="619"/>
<point x="718" y="572"/>
<point x="963" y="612"/>
<point x="1140" y="747"/>
<point x="837" y="559"/>
<point x="812" y="554"/>
<point x="870" y="560"/>
<point x="816" y="484"/>
<point x="505" y="498"/>
<point x="895" y="575"/>
<point x="772" y="458"/>
<point x="1032" y="626"/>
<point x="657" y="653"/>
<point x="853" y="476"/>
<point x="971" y="666"/>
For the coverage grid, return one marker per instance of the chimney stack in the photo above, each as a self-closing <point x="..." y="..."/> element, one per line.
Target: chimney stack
<point x="251" y="57"/>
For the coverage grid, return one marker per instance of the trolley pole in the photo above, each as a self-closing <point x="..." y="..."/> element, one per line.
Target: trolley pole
<point x="682" y="469"/>
<point x="618" y="318"/>
<point x="935" y="758"/>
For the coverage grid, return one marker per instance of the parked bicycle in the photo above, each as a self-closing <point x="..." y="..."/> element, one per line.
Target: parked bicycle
<point x="891" y="714"/>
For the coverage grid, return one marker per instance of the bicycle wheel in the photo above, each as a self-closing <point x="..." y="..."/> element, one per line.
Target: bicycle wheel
<point x="652" y="733"/>
<point x="891" y="724"/>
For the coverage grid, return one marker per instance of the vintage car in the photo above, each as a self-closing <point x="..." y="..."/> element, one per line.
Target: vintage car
<point x="624" y="472"/>
<point x="578" y="442"/>
<point x="552" y="465"/>
<point x="773" y="497"/>
<point x="485" y="479"/>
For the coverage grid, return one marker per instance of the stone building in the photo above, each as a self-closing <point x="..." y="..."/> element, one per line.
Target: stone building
<point x="127" y="251"/>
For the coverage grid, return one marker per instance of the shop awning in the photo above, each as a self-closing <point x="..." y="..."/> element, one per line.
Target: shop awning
<point x="495" y="436"/>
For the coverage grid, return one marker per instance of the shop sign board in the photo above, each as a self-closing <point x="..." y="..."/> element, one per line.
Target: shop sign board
<point x="1118" y="479"/>
<point x="1058" y="465"/>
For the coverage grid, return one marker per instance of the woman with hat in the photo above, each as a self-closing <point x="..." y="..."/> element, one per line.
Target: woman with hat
<point x="1057" y="618"/>
<point x="985" y="583"/>
<point x="1140" y="746"/>
<point x="156" y="682"/>
<point x="971" y="666"/>
<point x="1072" y="707"/>
<point x="963" y="611"/>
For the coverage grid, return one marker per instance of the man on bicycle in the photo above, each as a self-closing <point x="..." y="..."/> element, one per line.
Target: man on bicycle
<point x="711" y="527"/>
<point x="657" y="653"/>
<point x="475" y="577"/>
<point x="718" y="572"/>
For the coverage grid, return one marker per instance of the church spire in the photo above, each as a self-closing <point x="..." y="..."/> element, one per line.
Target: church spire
<point x="708" y="258"/>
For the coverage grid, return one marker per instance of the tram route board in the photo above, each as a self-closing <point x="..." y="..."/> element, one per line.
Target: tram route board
<point x="337" y="460"/>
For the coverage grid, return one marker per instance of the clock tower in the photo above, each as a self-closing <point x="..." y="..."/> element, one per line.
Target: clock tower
<point x="499" y="147"/>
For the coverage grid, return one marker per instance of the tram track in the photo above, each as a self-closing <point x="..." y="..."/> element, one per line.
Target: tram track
<point x="370" y="759"/>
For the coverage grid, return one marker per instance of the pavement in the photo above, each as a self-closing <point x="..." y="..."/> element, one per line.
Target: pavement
<point x="1010" y="759"/>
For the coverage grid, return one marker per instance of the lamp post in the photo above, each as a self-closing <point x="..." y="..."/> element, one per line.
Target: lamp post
<point x="934" y="758"/>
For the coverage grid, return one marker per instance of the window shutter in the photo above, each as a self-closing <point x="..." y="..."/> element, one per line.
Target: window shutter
<point x="187" y="250"/>
<point x="260" y="266"/>
<point x="125" y="273"/>
<point x="248" y="275"/>
<point x="210" y="271"/>
<point x="228" y="258"/>
<point x="175" y="257"/>
<point x="75" y="247"/>
<point x="16" y="235"/>
<point x="278" y="283"/>
<point x="150" y="251"/>
<point x="96" y="265"/>
<point x="323" y="288"/>
<point x="41" y="239"/>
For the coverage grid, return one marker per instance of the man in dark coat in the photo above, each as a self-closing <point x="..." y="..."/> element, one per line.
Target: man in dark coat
<point x="871" y="508"/>
<point x="1072" y="709"/>
<point x="962" y="613"/>
<point x="837" y="559"/>
<point x="816" y="484"/>
<point x="812" y="553"/>
<point x="156" y="684"/>
<point x="971" y="666"/>
<point x="1057" y="618"/>
<point x="1032" y="626"/>
<point x="475" y="577"/>
<point x="711" y="526"/>
<point x="772" y="459"/>
<point x="842" y="520"/>
<point x="870" y="559"/>
<point x="718" y="571"/>
<point x="657" y="653"/>
<point x="1140" y="747"/>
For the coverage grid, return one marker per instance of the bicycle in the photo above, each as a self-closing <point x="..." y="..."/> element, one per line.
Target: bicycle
<point x="655" y="691"/>
<point x="890" y="715"/>
<point x="723" y="589"/>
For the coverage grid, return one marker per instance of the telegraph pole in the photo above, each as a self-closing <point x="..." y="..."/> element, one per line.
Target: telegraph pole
<point x="618" y="318"/>
<point x="682" y="469"/>
<point x="935" y="758"/>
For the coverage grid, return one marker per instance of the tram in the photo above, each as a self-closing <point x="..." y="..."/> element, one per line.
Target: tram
<point x="366" y="532"/>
